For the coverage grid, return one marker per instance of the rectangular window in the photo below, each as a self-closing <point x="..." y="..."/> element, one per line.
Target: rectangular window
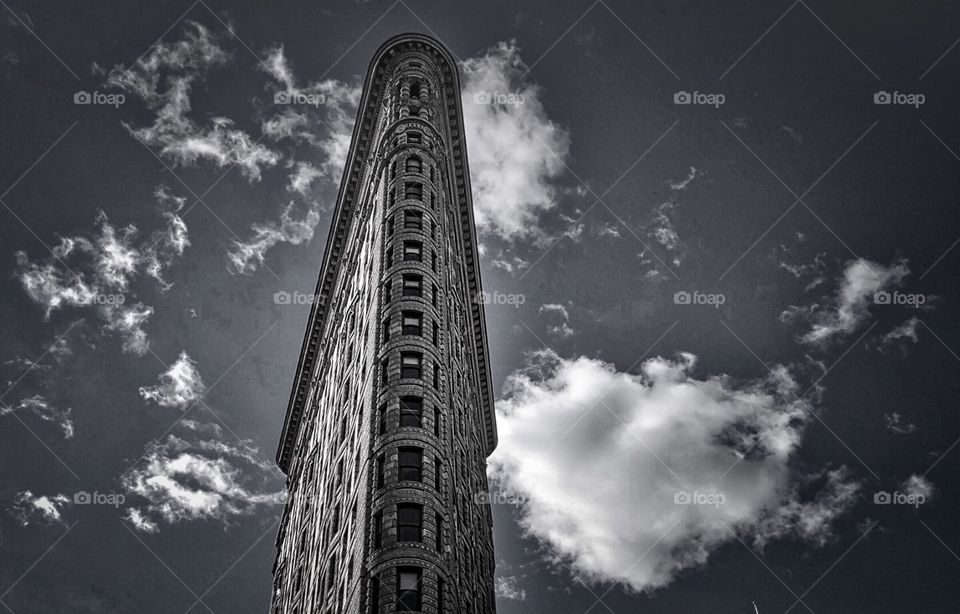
<point x="387" y="287"/>
<point x="436" y="474"/>
<point x="434" y="262"/>
<point x="409" y="522"/>
<point x="436" y="334"/>
<point x="436" y="377"/>
<point x="411" y="411"/>
<point x="435" y="296"/>
<point x="408" y="589"/>
<point x="413" y="190"/>
<point x="411" y="365"/>
<point x="375" y="595"/>
<point x="413" y="137"/>
<point x="441" y="596"/>
<point x="378" y="530"/>
<point x="436" y="421"/>
<point x="412" y="323"/>
<point x="413" y="219"/>
<point x="381" y="470"/>
<point x="439" y="521"/>
<point x="383" y="420"/>
<point x="386" y="330"/>
<point x="410" y="464"/>
<point x="412" y="285"/>
<point x="385" y="371"/>
<point x="390" y="226"/>
<point x="413" y="251"/>
<point x="388" y="257"/>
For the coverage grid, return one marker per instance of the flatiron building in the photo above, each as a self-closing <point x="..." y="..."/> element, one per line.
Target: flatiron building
<point x="390" y="420"/>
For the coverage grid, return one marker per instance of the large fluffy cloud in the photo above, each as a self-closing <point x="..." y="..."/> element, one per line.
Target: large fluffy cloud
<point x="633" y="478"/>
<point x="95" y="273"/>
<point x="849" y="308"/>
<point x="195" y="475"/>
<point x="515" y="150"/>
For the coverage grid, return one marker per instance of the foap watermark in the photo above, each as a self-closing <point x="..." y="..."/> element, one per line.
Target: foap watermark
<point x="713" y="299"/>
<point x="513" y="99"/>
<point x="899" y="298"/>
<point x="883" y="497"/>
<point x="714" y="99"/>
<point x="82" y="497"/>
<point x="899" y="98"/>
<point x="106" y="300"/>
<point x="498" y="498"/>
<point x="85" y="97"/>
<point x="312" y="99"/>
<point x="282" y="297"/>
<point x="714" y="498"/>
<point x="500" y="298"/>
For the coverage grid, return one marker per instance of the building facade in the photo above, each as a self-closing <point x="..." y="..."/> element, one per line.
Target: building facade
<point x="390" y="420"/>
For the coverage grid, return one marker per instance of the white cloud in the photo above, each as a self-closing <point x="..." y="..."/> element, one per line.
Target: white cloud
<point x="302" y="178"/>
<point x="509" y="588"/>
<point x="179" y="386"/>
<point x="918" y="486"/>
<point x="245" y="256"/>
<point x="901" y="334"/>
<point x="515" y="150"/>
<point x="95" y="273"/>
<point x="849" y="307"/>
<point x="163" y="80"/>
<point x="604" y="493"/>
<point x="557" y="318"/>
<point x="40" y="407"/>
<point x="683" y="183"/>
<point x="48" y="509"/>
<point x="185" y="479"/>
<point x="896" y="424"/>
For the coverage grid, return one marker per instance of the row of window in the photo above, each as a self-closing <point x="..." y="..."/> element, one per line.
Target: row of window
<point x="411" y="324"/>
<point x="409" y="525"/>
<point x="411" y="415"/>
<point x="411" y="367"/>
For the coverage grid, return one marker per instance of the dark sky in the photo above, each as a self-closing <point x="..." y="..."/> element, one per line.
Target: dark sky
<point x="796" y="200"/>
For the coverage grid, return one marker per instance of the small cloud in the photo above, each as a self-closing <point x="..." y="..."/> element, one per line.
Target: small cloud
<point x="683" y="183"/>
<point x="899" y="336"/>
<point x="896" y="424"/>
<point x="42" y="409"/>
<point x="797" y="138"/>
<point x="246" y="256"/>
<point x="509" y="588"/>
<point x="179" y="386"/>
<point x="557" y="318"/>
<point x="918" y="487"/>
<point x="47" y="509"/>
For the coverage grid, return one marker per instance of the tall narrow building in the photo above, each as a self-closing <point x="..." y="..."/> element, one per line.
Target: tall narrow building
<point x="390" y="420"/>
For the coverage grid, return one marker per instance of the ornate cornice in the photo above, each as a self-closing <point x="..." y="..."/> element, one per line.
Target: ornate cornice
<point x="346" y="203"/>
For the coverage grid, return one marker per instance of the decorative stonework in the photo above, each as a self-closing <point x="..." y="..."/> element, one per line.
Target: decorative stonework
<point x="390" y="419"/>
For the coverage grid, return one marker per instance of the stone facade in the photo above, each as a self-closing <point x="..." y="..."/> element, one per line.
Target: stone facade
<point x="390" y="420"/>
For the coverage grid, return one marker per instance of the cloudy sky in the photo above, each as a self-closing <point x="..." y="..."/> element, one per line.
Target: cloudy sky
<point x="719" y="257"/>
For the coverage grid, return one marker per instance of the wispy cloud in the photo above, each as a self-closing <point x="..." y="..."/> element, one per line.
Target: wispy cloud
<point x="29" y="508"/>
<point x="179" y="386"/>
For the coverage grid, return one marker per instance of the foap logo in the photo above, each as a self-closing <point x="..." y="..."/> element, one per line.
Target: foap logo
<point x="700" y="98"/>
<point x="713" y="498"/>
<point x="116" y="499"/>
<point x="696" y="297"/>
<point x="106" y="300"/>
<point x="899" y="98"/>
<point x="311" y="99"/>
<point x="899" y="498"/>
<point x="282" y="297"/>
<point x="899" y="298"/>
<point x="100" y="98"/>
<point x="498" y="498"/>
<point x="499" y="98"/>
<point x="500" y="298"/>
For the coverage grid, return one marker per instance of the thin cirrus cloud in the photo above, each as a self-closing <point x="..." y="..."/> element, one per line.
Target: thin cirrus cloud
<point x="96" y="273"/>
<point x="662" y="468"/>
<point x="193" y="475"/>
<point x="516" y="151"/>
<point x="178" y="387"/>
<point x="849" y="308"/>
